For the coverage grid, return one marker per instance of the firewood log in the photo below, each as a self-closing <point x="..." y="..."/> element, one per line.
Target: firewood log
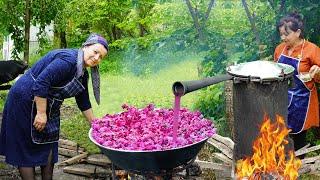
<point x="222" y="147"/>
<point x="67" y="142"/>
<point x="67" y="152"/>
<point x="225" y="140"/>
<point x="98" y="159"/>
<point x="222" y="157"/>
<point x="74" y="159"/>
<point x="305" y="151"/>
<point x="310" y="159"/>
<point x="213" y="166"/>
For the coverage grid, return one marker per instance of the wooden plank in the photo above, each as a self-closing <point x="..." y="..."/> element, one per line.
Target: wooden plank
<point x="305" y="151"/>
<point x="304" y="170"/>
<point x="74" y="159"/>
<point x="101" y="161"/>
<point x="75" y="148"/>
<point x="223" y="158"/>
<point x="67" y="142"/>
<point x="88" y="172"/>
<point x="225" y="140"/>
<point x="91" y="171"/>
<point x="315" y="166"/>
<point x="67" y="152"/>
<point x="310" y="159"/>
<point x="222" y="147"/>
<point x="213" y="166"/>
<point x="304" y="147"/>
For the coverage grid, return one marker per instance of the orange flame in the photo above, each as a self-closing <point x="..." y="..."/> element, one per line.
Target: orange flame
<point x="269" y="155"/>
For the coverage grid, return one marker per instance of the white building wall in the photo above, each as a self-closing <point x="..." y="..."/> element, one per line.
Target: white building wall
<point x="33" y="46"/>
<point x="7" y="48"/>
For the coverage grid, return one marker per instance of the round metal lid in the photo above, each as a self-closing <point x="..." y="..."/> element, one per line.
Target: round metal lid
<point x="261" y="69"/>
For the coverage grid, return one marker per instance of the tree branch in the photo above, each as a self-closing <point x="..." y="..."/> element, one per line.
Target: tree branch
<point x="208" y="11"/>
<point x="26" y="31"/>
<point x="252" y="22"/>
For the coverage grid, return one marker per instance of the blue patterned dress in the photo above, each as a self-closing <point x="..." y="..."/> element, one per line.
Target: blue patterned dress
<point x="55" y="69"/>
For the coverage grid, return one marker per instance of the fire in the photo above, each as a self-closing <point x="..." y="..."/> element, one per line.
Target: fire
<point x="269" y="155"/>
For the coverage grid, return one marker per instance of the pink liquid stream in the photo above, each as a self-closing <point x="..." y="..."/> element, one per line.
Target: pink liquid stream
<point x="176" y="116"/>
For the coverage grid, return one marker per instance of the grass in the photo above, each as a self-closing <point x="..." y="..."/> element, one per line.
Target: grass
<point x="156" y="89"/>
<point x="3" y="96"/>
<point x="136" y="91"/>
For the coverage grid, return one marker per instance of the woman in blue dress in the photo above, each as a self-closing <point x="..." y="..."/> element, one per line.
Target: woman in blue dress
<point x="31" y="116"/>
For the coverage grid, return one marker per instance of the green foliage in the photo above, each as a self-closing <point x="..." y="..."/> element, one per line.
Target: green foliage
<point x="309" y="10"/>
<point x="3" y="97"/>
<point x="76" y="129"/>
<point x="169" y="18"/>
<point x="44" y="49"/>
<point x="214" y="63"/>
<point x="313" y="136"/>
<point x="211" y="104"/>
<point x="13" y="23"/>
<point x="93" y="16"/>
<point x="147" y="55"/>
<point x="112" y="64"/>
<point x="2" y="165"/>
<point x="12" y="19"/>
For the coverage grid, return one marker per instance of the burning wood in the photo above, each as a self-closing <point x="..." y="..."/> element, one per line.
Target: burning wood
<point x="309" y="164"/>
<point x="269" y="155"/>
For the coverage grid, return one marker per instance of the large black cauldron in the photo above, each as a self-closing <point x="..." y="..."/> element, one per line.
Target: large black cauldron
<point x="155" y="162"/>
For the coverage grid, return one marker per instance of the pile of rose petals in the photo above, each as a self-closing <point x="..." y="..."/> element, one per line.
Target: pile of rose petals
<point x="150" y="129"/>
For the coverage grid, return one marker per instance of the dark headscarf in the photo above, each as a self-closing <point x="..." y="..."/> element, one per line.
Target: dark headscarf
<point x="95" y="38"/>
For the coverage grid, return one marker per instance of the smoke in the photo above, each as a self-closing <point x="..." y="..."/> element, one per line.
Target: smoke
<point x="142" y="61"/>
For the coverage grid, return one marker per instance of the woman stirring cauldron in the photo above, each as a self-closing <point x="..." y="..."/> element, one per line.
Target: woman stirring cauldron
<point x="304" y="56"/>
<point x="31" y="116"/>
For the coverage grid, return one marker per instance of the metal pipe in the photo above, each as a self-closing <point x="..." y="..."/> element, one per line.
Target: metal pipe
<point x="181" y="88"/>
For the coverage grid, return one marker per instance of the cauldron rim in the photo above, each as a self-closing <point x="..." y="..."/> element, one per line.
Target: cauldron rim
<point x="235" y="70"/>
<point x="141" y="151"/>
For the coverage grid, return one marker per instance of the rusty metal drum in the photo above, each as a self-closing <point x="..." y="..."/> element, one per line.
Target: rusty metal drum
<point x="259" y="88"/>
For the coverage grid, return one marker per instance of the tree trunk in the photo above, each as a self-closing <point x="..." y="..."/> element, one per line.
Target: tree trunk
<point x="27" y="32"/>
<point x="63" y="40"/>
<point x="142" y="29"/>
<point x="252" y="22"/>
<point x="119" y="33"/>
<point x="195" y="20"/>
<point x="114" y="32"/>
<point x="56" y="37"/>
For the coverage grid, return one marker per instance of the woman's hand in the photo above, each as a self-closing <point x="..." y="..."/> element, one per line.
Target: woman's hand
<point x="314" y="71"/>
<point x="40" y="121"/>
<point x="89" y="115"/>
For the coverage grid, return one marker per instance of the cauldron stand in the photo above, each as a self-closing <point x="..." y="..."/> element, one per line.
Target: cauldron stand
<point x="165" y="174"/>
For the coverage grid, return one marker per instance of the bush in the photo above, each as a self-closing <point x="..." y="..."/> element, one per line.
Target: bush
<point x="211" y="104"/>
